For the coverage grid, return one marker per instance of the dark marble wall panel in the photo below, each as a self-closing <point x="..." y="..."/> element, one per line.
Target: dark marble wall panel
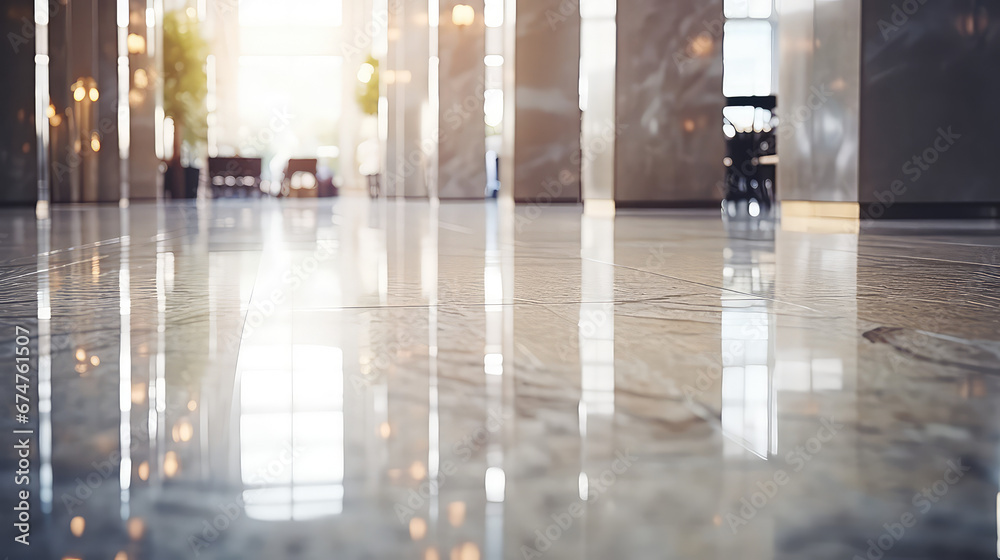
<point x="929" y="91"/>
<point x="669" y="102"/>
<point x="461" y="127"/>
<point x="546" y="107"/>
<point x="18" y="145"/>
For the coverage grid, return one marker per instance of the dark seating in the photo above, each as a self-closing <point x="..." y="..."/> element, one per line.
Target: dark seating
<point x="234" y="176"/>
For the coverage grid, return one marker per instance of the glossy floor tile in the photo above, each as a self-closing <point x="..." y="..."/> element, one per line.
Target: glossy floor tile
<point x="356" y="379"/>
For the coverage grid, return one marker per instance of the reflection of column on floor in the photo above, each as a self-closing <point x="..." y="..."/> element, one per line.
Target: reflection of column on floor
<point x="809" y="363"/>
<point x="747" y="348"/>
<point x="291" y="394"/>
<point x="44" y="229"/>
<point x="597" y="347"/>
<point x="125" y="365"/>
<point x="496" y="478"/>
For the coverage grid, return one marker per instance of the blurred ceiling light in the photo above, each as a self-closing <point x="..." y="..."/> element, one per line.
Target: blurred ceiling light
<point x="192" y="405"/>
<point x="79" y="93"/>
<point x="136" y="43"/>
<point x="463" y="15"/>
<point x="144" y="470"/>
<point x="95" y="142"/>
<point x="94" y="94"/>
<point x="493" y="60"/>
<point x="51" y="111"/>
<point x="81" y="354"/>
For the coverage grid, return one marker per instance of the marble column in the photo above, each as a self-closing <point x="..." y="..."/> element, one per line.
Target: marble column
<point x="18" y="144"/>
<point x="87" y="158"/>
<point x="541" y="156"/>
<point x="669" y="141"/>
<point x="410" y="132"/>
<point x="461" y="128"/>
<point x="598" y="30"/>
<point x="856" y="140"/>
<point x="818" y="131"/>
<point x="143" y="172"/>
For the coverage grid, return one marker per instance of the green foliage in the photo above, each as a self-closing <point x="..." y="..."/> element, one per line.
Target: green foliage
<point x="185" y="84"/>
<point x="368" y="93"/>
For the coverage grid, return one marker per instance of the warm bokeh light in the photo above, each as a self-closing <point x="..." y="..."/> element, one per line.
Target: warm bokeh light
<point x="136" y="528"/>
<point x="418" y="471"/>
<point x="138" y="393"/>
<point x="94" y="94"/>
<point x="136" y="43"/>
<point x="463" y="15"/>
<point x="192" y="405"/>
<point x="81" y="354"/>
<point x="456" y="513"/>
<point x="144" y="470"/>
<point x="384" y="430"/>
<point x="79" y="93"/>
<point x="365" y="73"/>
<point x="77" y="526"/>
<point x="170" y="464"/>
<point x="141" y="79"/>
<point x="465" y="551"/>
<point x="418" y="528"/>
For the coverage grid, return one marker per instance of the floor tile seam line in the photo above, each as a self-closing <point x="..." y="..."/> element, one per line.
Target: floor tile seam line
<point x="949" y="261"/>
<point x="243" y="323"/>
<point x="696" y="283"/>
<point x="445" y="306"/>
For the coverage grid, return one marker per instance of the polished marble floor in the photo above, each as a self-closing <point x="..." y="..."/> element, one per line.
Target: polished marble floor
<point x="352" y="379"/>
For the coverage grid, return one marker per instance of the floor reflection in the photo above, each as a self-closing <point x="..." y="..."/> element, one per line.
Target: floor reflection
<point x="413" y="380"/>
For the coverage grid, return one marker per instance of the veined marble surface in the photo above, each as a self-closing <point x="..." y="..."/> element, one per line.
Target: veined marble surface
<point x="354" y="379"/>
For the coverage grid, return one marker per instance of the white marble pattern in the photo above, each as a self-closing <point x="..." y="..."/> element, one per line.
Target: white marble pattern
<point x="304" y="372"/>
